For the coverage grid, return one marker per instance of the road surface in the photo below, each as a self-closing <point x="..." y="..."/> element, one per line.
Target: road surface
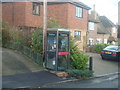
<point x="109" y="81"/>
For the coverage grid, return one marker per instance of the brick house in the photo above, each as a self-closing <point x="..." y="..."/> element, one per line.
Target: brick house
<point x="71" y="15"/>
<point x="101" y="30"/>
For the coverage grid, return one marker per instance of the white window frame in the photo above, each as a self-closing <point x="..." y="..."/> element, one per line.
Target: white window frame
<point x="36" y="8"/>
<point x="91" y="41"/>
<point x="79" y="12"/>
<point x="99" y="41"/>
<point x="105" y="41"/>
<point x="114" y="30"/>
<point x="91" y="26"/>
<point x="77" y="35"/>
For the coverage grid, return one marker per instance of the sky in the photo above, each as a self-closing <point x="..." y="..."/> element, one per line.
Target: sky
<point x="108" y="8"/>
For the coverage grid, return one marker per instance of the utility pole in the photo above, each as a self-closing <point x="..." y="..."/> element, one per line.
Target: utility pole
<point x="119" y="23"/>
<point x="44" y="24"/>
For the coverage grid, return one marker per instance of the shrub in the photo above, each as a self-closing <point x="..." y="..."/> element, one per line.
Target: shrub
<point x="78" y="59"/>
<point x="53" y="23"/>
<point x="0" y="31"/>
<point x="5" y="31"/>
<point x="81" y="73"/>
<point x="99" y="47"/>
<point x="15" y="33"/>
<point x="10" y="33"/>
<point x="37" y="41"/>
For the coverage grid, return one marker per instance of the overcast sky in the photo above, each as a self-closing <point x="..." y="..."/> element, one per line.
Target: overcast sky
<point x="108" y="8"/>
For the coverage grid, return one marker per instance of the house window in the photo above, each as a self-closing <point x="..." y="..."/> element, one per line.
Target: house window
<point x="105" y="41"/>
<point x="79" y="12"/>
<point x="114" y="30"/>
<point x="36" y="9"/>
<point x="77" y="35"/>
<point x="99" y="41"/>
<point x="91" y="42"/>
<point x="91" y="26"/>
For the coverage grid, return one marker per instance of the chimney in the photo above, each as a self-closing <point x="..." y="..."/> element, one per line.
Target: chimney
<point x="95" y="16"/>
<point x="94" y="7"/>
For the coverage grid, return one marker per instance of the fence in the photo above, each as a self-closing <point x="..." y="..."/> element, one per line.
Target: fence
<point x="38" y="58"/>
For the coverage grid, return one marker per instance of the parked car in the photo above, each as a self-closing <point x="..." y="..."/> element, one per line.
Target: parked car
<point x="111" y="52"/>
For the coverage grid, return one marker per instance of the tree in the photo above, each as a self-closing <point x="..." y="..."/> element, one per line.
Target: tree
<point x="53" y="23"/>
<point x="78" y="58"/>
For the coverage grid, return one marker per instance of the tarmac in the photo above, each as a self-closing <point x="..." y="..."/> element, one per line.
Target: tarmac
<point x="34" y="79"/>
<point x="39" y="79"/>
<point x="29" y="75"/>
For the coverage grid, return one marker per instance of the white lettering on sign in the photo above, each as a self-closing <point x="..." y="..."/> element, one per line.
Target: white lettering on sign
<point x="51" y="34"/>
<point x="64" y="35"/>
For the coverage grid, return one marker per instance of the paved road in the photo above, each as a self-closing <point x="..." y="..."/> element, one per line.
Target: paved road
<point x="109" y="81"/>
<point x="34" y="79"/>
<point x="16" y="63"/>
<point x="103" y="66"/>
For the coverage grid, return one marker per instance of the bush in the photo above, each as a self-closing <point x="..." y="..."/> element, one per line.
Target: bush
<point x="15" y="33"/>
<point x="99" y="47"/>
<point x="10" y="33"/>
<point x="78" y="59"/>
<point x="37" y="41"/>
<point x="5" y="31"/>
<point x="0" y="31"/>
<point x="53" y="23"/>
<point x="80" y="73"/>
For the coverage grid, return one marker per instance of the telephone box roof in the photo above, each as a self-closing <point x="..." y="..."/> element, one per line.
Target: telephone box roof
<point x="58" y="29"/>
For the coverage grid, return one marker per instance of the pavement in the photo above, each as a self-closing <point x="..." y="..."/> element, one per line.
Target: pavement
<point x="102" y="67"/>
<point x="14" y="62"/>
<point x="21" y="72"/>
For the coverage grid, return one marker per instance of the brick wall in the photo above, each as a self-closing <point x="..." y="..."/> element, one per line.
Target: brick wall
<point x="13" y="13"/>
<point x="20" y="14"/>
<point x="64" y="13"/>
<point x="7" y="13"/>
<point x="93" y="33"/>
<point x="74" y="22"/>
<point x="78" y="24"/>
<point x="59" y="12"/>
<point x="33" y="20"/>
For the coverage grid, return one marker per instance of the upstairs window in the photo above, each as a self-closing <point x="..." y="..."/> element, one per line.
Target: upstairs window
<point x="77" y="35"/>
<point x="79" y="12"/>
<point x="36" y="9"/>
<point x="114" y="30"/>
<point x="91" y="26"/>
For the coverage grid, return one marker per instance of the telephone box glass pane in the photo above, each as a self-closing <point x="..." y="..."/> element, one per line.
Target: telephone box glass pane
<point x="63" y="51"/>
<point x="63" y="42"/>
<point x="62" y="62"/>
<point x="51" y="50"/>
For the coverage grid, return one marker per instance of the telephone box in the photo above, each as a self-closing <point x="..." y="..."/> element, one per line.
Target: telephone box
<point x="57" y="49"/>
